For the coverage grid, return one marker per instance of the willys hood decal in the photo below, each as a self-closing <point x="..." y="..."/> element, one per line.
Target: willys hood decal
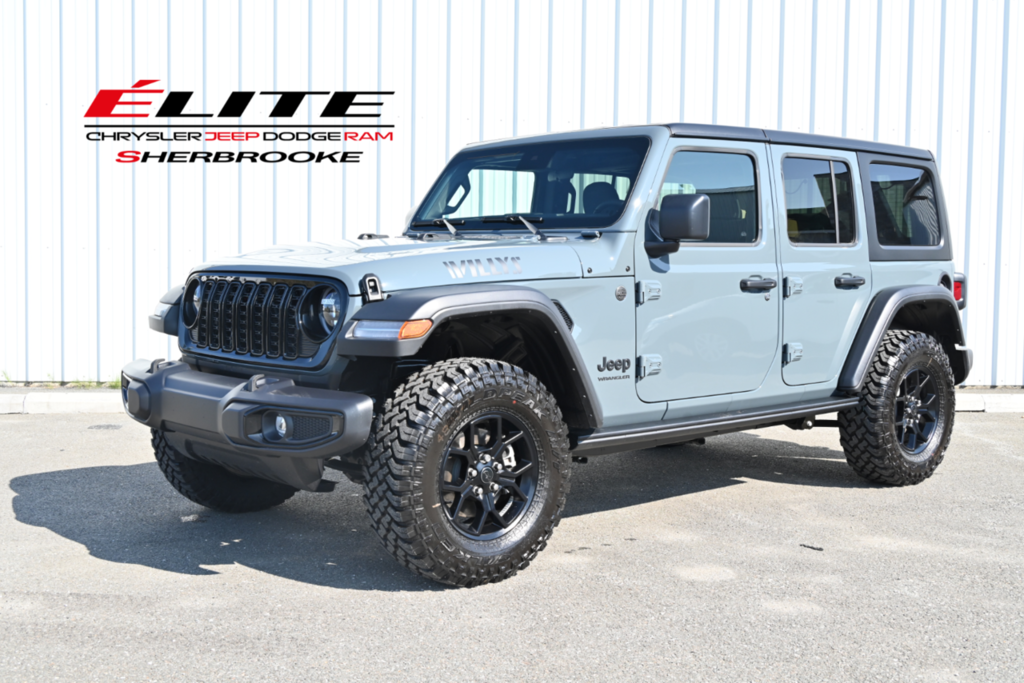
<point x="402" y="263"/>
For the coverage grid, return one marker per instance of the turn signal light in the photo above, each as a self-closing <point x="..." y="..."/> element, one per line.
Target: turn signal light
<point x="414" y="329"/>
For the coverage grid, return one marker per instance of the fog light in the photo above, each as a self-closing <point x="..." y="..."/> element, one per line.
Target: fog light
<point x="283" y="425"/>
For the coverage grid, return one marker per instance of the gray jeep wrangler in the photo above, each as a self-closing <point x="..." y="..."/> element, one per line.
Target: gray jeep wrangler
<point x="559" y="297"/>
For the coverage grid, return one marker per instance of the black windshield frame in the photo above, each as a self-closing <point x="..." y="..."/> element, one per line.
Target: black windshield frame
<point x="554" y="167"/>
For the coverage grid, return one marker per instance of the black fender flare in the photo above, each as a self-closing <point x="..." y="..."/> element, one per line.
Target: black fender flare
<point x="927" y="308"/>
<point x="450" y="302"/>
<point x="166" y="322"/>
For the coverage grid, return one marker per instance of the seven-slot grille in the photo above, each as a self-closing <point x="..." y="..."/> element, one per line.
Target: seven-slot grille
<point x="253" y="318"/>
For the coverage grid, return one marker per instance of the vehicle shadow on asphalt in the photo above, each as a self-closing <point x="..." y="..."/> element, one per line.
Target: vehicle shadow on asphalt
<point x="129" y="514"/>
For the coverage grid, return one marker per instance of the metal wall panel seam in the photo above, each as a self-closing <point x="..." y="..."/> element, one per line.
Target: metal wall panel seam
<point x="782" y="60"/>
<point x="204" y="121"/>
<point x="380" y="23"/>
<point x="309" y="118"/>
<point x="846" y="64"/>
<point x="650" y="55"/>
<point x="135" y="281"/>
<point x="750" y="42"/>
<point x="970" y="149"/>
<point x="910" y="71"/>
<point x="25" y="138"/>
<point x="682" y="67"/>
<point x="273" y="170"/>
<point x="999" y="194"/>
<point x="448" y="79"/>
<point x="515" y="84"/>
<point x="483" y="54"/>
<point x="99" y="297"/>
<point x="878" y="62"/>
<point x="412" y="116"/>
<point x="240" y="38"/>
<point x="551" y="19"/>
<point x="615" y="87"/>
<point x="714" y="71"/>
<point x="583" y="67"/>
<point x="169" y="202"/>
<point x="60" y="114"/>
<point x="942" y="84"/>
<point x="344" y="145"/>
<point x="814" y="58"/>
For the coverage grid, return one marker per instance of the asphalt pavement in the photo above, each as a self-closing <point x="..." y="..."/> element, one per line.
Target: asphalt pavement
<point x="756" y="557"/>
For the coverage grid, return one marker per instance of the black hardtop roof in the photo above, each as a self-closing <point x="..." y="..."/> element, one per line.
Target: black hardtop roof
<point x="781" y="137"/>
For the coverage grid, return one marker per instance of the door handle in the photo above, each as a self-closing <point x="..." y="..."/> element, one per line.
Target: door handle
<point x="756" y="284"/>
<point x="852" y="281"/>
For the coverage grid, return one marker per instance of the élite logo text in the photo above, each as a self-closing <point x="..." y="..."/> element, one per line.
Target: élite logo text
<point x="110" y="103"/>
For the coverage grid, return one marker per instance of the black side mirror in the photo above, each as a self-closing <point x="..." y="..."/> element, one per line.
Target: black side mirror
<point x="685" y="217"/>
<point x="682" y="217"/>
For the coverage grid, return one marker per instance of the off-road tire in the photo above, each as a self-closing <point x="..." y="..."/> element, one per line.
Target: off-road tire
<point x="405" y="452"/>
<point x="214" y="487"/>
<point x="868" y="432"/>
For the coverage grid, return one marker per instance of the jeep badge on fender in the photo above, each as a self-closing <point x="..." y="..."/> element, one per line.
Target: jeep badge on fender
<point x="613" y="365"/>
<point x="458" y="397"/>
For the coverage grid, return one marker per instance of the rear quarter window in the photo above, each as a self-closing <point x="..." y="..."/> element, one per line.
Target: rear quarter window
<point x="906" y="210"/>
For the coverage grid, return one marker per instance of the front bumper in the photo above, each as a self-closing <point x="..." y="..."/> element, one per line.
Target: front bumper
<point x="234" y="423"/>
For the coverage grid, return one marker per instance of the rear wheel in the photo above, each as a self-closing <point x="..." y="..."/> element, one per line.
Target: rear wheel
<point x="214" y="487"/>
<point x="899" y="432"/>
<point x="468" y="471"/>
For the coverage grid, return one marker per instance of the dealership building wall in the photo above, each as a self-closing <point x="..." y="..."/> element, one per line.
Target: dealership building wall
<point x="89" y="245"/>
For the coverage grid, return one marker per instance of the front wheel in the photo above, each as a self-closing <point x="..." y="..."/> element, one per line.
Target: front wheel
<point x="214" y="487"/>
<point x="898" y="433"/>
<point x="467" y="471"/>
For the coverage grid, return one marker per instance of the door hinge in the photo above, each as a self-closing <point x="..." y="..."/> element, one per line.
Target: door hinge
<point x="792" y="286"/>
<point x="648" y="290"/>
<point x="791" y="353"/>
<point x="649" y="364"/>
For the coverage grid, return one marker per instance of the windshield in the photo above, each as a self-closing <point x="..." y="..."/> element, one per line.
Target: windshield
<point x="567" y="184"/>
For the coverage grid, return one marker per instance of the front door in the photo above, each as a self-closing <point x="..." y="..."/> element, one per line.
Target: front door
<point x="708" y="315"/>
<point x="825" y="264"/>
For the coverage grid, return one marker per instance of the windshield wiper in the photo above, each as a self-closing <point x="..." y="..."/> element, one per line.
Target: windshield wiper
<point x="441" y="223"/>
<point x="517" y="219"/>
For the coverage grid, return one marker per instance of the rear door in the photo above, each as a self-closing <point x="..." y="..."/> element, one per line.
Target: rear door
<point x="825" y="263"/>
<point x="700" y="332"/>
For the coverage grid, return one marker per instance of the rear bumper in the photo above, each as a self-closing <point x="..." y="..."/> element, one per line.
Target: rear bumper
<point x="233" y="423"/>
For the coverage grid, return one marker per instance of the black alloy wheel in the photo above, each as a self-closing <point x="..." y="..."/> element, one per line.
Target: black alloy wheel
<point x="915" y="411"/>
<point x="488" y="475"/>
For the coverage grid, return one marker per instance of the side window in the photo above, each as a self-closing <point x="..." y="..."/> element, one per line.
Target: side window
<point x="906" y="213"/>
<point x="819" y="201"/>
<point x="728" y="180"/>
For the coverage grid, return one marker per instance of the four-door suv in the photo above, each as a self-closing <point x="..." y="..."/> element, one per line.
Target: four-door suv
<point x="565" y="296"/>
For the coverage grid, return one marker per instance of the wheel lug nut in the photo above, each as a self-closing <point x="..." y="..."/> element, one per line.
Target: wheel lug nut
<point x="494" y="487"/>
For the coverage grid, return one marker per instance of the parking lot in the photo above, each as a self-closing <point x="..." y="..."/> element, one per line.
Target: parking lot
<point x="756" y="557"/>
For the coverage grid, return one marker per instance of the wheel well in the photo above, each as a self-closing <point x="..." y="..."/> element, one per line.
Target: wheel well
<point x="937" y="319"/>
<point x="519" y="338"/>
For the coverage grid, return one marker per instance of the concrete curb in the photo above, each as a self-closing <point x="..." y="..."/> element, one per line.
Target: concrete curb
<point x="96" y="401"/>
<point x="56" y="402"/>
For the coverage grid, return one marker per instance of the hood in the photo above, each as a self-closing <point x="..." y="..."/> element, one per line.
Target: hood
<point x="403" y="263"/>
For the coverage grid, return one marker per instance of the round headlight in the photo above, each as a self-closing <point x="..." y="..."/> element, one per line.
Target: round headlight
<point x="330" y="309"/>
<point x="190" y="303"/>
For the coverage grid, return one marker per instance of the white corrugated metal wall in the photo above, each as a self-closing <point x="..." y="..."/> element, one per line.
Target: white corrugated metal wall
<point x="89" y="244"/>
